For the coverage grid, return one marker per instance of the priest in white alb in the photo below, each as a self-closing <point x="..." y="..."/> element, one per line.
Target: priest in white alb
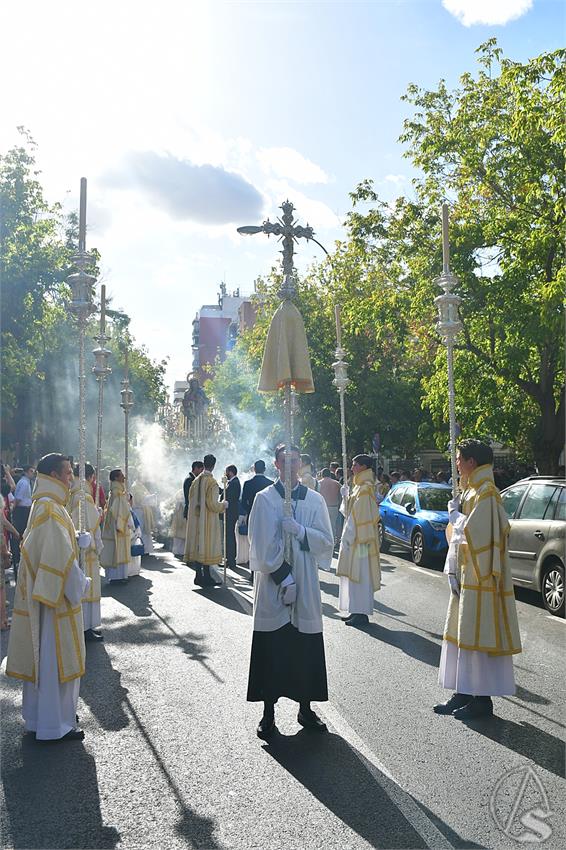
<point x="46" y="649"/>
<point x="481" y="634"/>
<point x="358" y="567"/>
<point x="117" y="531"/>
<point x="92" y="619"/>
<point x="287" y="657"/>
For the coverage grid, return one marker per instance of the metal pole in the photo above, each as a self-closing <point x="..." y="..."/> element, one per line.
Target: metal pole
<point x="82" y="422"/>
<point x="126" y="422"/>
<point x="341" y="381"/>
<point x="225" y="481"/>
<point x="287" y="506"/>
<point x="449" y="325"/>
<point x="452" y="414"/>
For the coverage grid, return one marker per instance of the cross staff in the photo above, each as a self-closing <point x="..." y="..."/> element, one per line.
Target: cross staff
<point x="289" y="232"/>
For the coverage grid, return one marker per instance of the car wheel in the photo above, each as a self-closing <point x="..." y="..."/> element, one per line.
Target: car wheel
<point x="418" y="547"/>
<point x="383" y="544"/>
<point x="552" y="588"/>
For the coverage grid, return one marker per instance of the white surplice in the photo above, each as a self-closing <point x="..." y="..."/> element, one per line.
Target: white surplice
<point x="267" y="555"/>
<point x="50" y="709"/>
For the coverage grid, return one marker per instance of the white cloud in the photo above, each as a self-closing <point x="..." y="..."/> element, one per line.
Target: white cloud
<point x="205" y="193"/>
<point x="289" y="164"/>
<point x="496" y="12"/>
<point x="396" y="179"/>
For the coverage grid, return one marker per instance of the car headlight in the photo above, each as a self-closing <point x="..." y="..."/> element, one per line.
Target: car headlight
<point x="438" y="526"/>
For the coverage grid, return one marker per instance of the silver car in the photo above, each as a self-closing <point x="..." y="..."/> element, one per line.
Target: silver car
<point x="536" y="507"/>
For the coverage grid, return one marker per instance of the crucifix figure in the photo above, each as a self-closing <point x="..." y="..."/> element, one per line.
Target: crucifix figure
<point x="289" y="232"/>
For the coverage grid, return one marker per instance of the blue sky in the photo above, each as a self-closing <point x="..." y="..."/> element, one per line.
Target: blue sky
<point x="189" y="119"/>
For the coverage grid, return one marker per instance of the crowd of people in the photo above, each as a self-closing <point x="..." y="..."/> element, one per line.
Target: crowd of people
<point x="284" y="542"/>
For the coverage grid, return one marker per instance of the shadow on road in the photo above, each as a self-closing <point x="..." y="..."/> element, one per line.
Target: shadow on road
<point x="161" y="561"/>
<point x="134" y="595"/>
<point x="416" y="646"/>
<point x="337" y="775"/>
<point x="107" y="701"/>
<point x="525" y="739"/>
<point x="197" y="831"/>
<point x="52" y="797"/>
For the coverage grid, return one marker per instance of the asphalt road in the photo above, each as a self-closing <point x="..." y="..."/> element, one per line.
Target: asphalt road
<point x="171" y="759"/>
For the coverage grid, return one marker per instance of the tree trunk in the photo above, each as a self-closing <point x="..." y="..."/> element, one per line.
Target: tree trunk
<point x="549" y="438"/>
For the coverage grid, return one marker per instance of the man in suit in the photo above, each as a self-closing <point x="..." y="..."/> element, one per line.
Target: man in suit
<point x="251" y="488"/>
<point x="233" y="491"/>
<point x="196" y="469"/>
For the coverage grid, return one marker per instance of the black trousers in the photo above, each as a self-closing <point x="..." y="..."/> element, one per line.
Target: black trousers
<point x="20" y="516"/>
<point x="231" y="539"/>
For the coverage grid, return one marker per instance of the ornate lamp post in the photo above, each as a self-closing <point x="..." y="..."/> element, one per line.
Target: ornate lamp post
<point x="449" y="325"/>
<point x="101" y="370"/>
<point x="126" y="403"/>
<point x="81" y="306"/>
<point x="341" y="381"/>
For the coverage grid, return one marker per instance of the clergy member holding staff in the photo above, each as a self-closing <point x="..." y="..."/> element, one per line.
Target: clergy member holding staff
<point x="481" y="634"/>
<point x="91" y="602"/>
<point x="358" y="567"/>
<point x="117" y="531"/>
<point x="203" y="547"/>
<point x="46" y="648"/>
<point x="287" y="658"/>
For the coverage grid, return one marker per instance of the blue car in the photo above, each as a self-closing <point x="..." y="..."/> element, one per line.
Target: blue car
<point x="415" y="515"/>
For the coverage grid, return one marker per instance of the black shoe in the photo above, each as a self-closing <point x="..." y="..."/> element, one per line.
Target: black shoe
<point x="450" y="706"/>
<point x="266" y="726"/>
<point x="198" y="575"/>
<point x="208" y="580"/>
<point x="357" y="620"/>
<point x="476" y="708"/>
<point x="74" y="735"/>
<point x="310" y="720"/>
<point x="91" y="635"/>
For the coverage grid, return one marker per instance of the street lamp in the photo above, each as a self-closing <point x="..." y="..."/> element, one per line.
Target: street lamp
<point x="81" y="306"/>
<point x="449" y="326"/>
<point x="101" y="371"/>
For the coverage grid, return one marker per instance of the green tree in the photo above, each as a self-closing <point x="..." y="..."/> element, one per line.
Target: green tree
<point x="39" y="338"/>
<point x="494" y="147"/>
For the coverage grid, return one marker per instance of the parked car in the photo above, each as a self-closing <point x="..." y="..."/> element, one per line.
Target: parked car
<point x="415" y="516"/>
<point x="536" y="507"/>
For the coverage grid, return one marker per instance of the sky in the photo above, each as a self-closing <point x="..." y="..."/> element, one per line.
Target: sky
<point x="189" y="119"/>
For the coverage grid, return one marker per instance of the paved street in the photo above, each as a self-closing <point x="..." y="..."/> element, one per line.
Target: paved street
<point x="171" y="759"/>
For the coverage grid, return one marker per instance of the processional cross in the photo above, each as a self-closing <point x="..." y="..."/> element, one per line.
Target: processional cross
<point x="289" y="232"/>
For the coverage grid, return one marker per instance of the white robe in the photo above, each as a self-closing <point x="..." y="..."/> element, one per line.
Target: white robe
<point x="50" y="709"/>
<point x="92" y="616"/>
<point x="356" y="597"/>
<point x="267" y="555"/>
<point x="469" y="671"/>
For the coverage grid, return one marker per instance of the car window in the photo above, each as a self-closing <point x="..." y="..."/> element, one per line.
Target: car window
<point x="396" y="495"/>
<point x="537" y="501"/>
<point x="561" y="509"/>
<point x="511" y="499"/>
<point x="433" y="498"/>
<point x="409" y="496"/>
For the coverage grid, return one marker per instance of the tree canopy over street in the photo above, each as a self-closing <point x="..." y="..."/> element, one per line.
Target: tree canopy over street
<point x="493" y="148"/>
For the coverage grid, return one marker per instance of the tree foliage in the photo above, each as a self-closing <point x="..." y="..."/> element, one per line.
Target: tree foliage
<point x="494" y="149"/>
<point x="39" y="339"/>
